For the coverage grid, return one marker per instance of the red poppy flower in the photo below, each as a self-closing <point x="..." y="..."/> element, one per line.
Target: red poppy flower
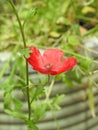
<point x="51" y="62"/>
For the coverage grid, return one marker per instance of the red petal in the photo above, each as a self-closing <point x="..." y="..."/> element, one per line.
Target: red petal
<point x="53" y="56"/>
<point x="35" y="59"/>
<point x="66" y="65"/>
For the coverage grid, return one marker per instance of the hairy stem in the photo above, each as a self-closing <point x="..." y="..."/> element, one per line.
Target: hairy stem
<point x="24" y="42"/>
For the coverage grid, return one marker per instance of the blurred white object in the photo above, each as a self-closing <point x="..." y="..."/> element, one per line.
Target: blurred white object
<point x="91" y="43"/>
<point x="4" y="56"/>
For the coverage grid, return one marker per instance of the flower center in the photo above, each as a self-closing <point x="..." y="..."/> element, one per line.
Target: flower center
<point x="48" y="66"/>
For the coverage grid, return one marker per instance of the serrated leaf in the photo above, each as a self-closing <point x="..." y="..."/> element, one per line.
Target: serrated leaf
<point x="39" y="110"/>
<point x="16" y="114"/>
<point x="17" y="104"/>
<point x="26" y="52"/>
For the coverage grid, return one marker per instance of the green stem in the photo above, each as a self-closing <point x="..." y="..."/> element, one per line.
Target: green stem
<point x="24" y="42"/>
<point x="50" y="89"/>
<point x="20" y="25"/>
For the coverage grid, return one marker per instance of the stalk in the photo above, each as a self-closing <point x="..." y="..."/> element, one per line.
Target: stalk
<point x="24" y="42"/>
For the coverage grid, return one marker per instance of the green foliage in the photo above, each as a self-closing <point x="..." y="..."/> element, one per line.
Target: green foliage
<point x="39" y="110"/>
<point x="16" y="114"/>
<point x="30" y="14"/>
<point x="46" y="23"/>
<point x="54" y="104"/>
<point x="73" y="40"/>
<point x="25" y="52"/>
<point x="86" y="63"/>
<point x="36" y="92"/>
<point x="31" y="125"/>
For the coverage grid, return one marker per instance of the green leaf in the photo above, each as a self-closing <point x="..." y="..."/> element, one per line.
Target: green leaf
<point x="88" y="9"/>
<point x="73" y="40"/>
<point x="16" y="114"/>
<point x="58" y="98"/>
<point x="54" y="34"/>
<point x="30" y="13"/>
<point x="26" y="52"/>
<point x="67" y="80"/>
<point x="31" y="125"/>
<point x="39" y="110"/>
<point x="17" y="104"/>
<point x="7" y="99"/>
<point x="66" y="6"/>
<point x="36" y="92"/>
<point x="54" y="104"/>
<point x="76" y="30"/>
<point x="86" y="63"/>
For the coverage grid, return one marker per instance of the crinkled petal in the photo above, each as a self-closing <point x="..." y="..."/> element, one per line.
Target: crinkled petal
<point x="42" y="70"/>
<point x="52" y="56"/>
<point x="35" y="59"/>
<point x="64" y="66"/>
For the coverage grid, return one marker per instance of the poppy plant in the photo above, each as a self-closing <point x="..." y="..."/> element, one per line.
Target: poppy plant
<point x="51" y="62"/>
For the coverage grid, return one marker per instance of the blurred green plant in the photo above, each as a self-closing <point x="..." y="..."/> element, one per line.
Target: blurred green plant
<point x="62" y="24"/>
